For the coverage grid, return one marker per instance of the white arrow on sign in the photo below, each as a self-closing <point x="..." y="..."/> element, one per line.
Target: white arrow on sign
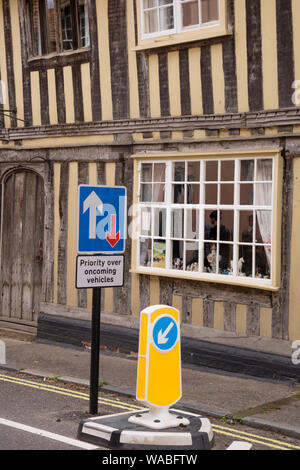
<point x="93" y="202"/>
<point x="161" y="337"/>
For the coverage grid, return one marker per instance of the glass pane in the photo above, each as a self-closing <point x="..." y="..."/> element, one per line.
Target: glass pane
<point x="159" y="172"/>
<point x="158" y="192"/>
<point x="263" y="227"/>
<point x="227" y="194"/>
<point x="51" y="26"/>
<point x="209" y="10"/>
<point x="211" y="194"/>
<point x="145" y="221"/>
<point x="246" y="227"/>
<point x="193" y="171"/>
<point x="177" y="221"/>
<point x="246" y="194"/>
<point x="263" y="195"/>
<point x="145" y="251"/>
<point x="211" y="218"/>
<point x="150" y="3"/>
<point x="166" y="18"/>
<point x="159" y="222"/>
<point x="262" y="265"/>
<point x="177" y="255"/>
<point x="66" y="26"/>
<point x="190" y="13"/>
<point x="211" y="171"/>
<point x="146" y="193"/>
<point x="192" y="224"/>
<point x="225" y="258"/>
<point x="264" y="169"/>
<point x="150" y="21"/>
<point x="146" y="173"/>
<point x="211" y="260"/>
<point x="165" y="2"/>
<point x="227" y="170"/>
<point x="247" y="170"/>
<point x="226" y="225"/>
<point x="178" y="193"/>
<point x="191" y="256"/>
<point x="193" y="193"/>
<point x="83" y="22"/>
<point x="244" y="267"/>
<point x="179" y="171"/>
<point x="159" y="254"/>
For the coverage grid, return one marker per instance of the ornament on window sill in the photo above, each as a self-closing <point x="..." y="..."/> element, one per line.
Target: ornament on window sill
<point x="177" y="263"/>
<point x="211" y="258"/>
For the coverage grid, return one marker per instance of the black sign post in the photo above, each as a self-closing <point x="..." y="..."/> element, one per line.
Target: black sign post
<point x="95" y="350"/>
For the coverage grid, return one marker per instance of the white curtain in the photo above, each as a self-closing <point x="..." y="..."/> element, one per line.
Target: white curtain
<point x="264" y="198"/>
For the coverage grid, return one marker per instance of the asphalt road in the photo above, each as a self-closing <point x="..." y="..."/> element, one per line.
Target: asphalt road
<point x="37" y="414"/>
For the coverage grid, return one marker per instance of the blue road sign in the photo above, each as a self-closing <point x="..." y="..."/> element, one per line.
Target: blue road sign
<point x="165" y="333"/>
<point x="101" y="219"/>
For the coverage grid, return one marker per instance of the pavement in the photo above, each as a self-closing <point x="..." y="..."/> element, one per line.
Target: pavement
<point x="261" y="403"/>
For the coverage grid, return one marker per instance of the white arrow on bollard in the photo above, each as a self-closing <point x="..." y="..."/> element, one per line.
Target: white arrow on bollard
<point x="2" y="353"/>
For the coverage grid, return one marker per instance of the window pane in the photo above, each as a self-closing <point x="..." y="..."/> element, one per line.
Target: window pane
<point x="159" y="172"/>
<point x="247" y="170"/>
<point x="83" y="22"/>
<point x="150" y="21"/>
<point x="159" y="222"/>
<point x="227" y="170"/>
<point x="211" y="221"/>
<point x="35" y="28"/>
<point x="51" y="26"/>
<point x="211" y="171"/>
<point x="209" y="10"/>
<point x="146" y="173"/>
<point x="150" y="3"/>
<point x="211" y="260"/>
<point x="225" y="258"/>
<point x="165" y="2"/>
<point x="227" y="194"/>
<point x="146" y="193"/>
<point x="211" y="194"/>
<point x="264" y="169"/>
<point x="191" y="256"/>
<point x="246" y="194"/>
<point x="244" y="267"/>
<point x="263" y="194"/>
<point x="66" y="25"/>
<point x="158" y="192"/>
<point x="190" y="13"/>
<point x="177" y="228"/>
<point x="246" y="227"/>
<point x="166" y="18"/>
<point x="226" y="225"/>
<point x="145" y="251"/>
<point x="177" y="255"/>
<point x="262" y="265"/>
<point x="178" y="193"/>
<point x="179" y="171"/>
<point x="159" y="254"/>
<point x="193" y="193"/>
<point x="263" y="227"/>
<point x="145" y="221"/>
<point x="193" y="171"/>
<point x="192" y="224"/>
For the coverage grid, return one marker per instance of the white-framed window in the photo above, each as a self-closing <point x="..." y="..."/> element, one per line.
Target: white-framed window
<point x="160" y="17"/>
<point x="208" y="217"/>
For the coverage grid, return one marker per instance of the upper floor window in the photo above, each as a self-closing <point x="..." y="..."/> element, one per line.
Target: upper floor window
<point x="57" y="25"/>
<point x="161" y="17"/>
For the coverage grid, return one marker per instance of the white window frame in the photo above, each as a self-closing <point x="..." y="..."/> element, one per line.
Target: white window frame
<point x="178" y="28"/>
<point x="275" y="210"/>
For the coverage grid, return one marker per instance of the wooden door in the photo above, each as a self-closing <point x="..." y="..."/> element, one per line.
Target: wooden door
<point x="22" y="234"/>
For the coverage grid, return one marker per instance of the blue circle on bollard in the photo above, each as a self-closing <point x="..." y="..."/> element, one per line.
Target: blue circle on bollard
<point x="165" y="333"/>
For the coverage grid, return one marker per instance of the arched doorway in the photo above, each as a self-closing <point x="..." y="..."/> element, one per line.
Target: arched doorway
<point x="22" y="234"/>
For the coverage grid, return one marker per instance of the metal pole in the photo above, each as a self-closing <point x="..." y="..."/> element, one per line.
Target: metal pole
<point x="95" y="351"/>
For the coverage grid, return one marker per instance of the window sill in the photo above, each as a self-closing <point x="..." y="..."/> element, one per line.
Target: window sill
<point x="219" y="279"/>
<point x="199" y="35"/>
<point x="60" y="59"/>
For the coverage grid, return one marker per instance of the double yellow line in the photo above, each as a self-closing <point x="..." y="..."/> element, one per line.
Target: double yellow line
<point x="218" y="429"/>
<point x="70" y="393"/>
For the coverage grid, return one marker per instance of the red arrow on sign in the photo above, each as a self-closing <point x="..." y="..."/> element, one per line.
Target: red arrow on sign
<point x="113" y="237"/>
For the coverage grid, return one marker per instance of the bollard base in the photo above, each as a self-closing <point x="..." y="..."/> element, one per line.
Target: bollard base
<point x="116" y="432"/>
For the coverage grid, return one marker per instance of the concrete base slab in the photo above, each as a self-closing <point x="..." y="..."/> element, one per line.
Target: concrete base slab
<point x="116" y="432"/>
